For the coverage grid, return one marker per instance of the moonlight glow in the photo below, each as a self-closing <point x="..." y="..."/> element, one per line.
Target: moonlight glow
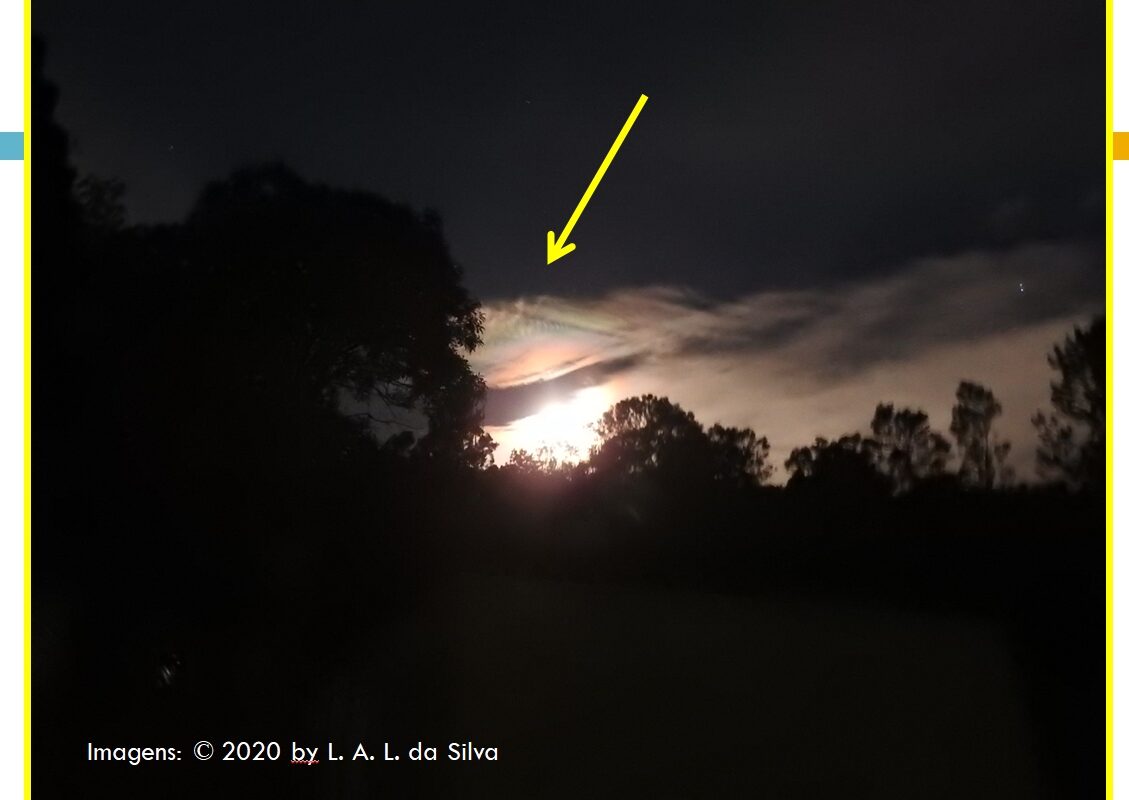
<point x="565" y="428"/>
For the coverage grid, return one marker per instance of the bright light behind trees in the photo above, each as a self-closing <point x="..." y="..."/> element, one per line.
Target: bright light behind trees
<point x="565" y="428"/>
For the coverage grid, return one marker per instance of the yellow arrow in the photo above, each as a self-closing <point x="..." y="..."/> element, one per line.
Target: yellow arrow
<point x="557" y="247"/>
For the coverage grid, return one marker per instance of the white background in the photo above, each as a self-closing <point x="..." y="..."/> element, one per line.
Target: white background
<point x="11" y="469"/>
<point x="11" y="80"/>
<point x="11" y="405"/>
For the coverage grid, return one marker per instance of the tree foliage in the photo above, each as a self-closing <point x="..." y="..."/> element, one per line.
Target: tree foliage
<point x="739" y="455"/>
<point x="649" y="434"/>
<point x="1072" y="438"/>
<point x="543" y="461"/>
<point x="906" y="449"/>
<point x="329" y="291"/>
<point x="301" y="300"/>
<point x="982" y="453"/>
<point x="845" y="466"/>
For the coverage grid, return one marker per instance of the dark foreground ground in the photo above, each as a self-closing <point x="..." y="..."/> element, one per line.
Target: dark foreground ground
<point x="603" y="655"/>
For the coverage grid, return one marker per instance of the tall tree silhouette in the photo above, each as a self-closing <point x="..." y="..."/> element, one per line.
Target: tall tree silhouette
<point x="906" y="449"/>
<point x="982" y="453"/>
<point x="60" y="265"/>
<point x="1072" y="439"/>
<point x="53" y="201"/>
<point x="315" y="297"/>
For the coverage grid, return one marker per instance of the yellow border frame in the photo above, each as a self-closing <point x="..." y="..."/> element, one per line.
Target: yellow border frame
<point x="1109" y="398"/>
<point x="27" y="398"/>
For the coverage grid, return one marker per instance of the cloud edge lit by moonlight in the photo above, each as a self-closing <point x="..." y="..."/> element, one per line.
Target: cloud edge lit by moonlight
<point x="799" y="363"/>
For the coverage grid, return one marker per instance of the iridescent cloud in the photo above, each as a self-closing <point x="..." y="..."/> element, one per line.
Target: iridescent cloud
<point x="794" y="364"/>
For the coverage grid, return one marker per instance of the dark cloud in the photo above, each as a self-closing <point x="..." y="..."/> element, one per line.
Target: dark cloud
<point x="786" y="145"/>
<point x="823" y="204"/>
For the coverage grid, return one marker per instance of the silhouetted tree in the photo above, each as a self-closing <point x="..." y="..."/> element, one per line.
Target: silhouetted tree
<point x="307" y="298"/>
<point x="101" y="203"/>
<point x="60" y="268"/>
<point x="982" y="452"/>
<point x="844" y="467"/>
<point x="739" y="455"/>
<point x="905" y="448"/>
<point x="647" y="434"/>
<point x="53" y="201"/>
<point x="455" y="413"/>
<point x="652" y="434"/>
<point x="524" y="462"/>
<point x="1072" y="439"/>
<point x="543" y="461"/>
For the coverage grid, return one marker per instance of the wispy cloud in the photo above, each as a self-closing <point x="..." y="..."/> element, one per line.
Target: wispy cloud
<point x="797" y="364"/>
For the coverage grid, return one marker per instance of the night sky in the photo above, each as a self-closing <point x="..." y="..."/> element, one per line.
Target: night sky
<point x="822" y="206"/>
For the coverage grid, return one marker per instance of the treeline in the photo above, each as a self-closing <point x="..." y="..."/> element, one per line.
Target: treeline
<point x="653" y="436"/>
